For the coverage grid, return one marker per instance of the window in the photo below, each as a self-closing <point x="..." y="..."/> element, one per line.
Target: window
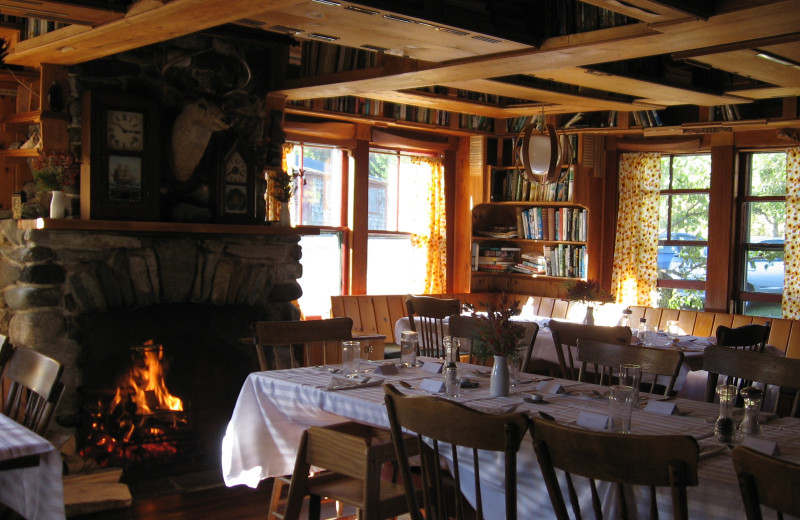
<point x="320" y="192"/>
<point x="683" y="230"/>
<point x="763" y="214"/>
<point x="397" y="200"/>
<point x="318" y="202"/>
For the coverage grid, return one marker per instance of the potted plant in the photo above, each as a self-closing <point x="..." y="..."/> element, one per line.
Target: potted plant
<point x="587" y="292"/>
<point x="54" y="171"/>
<point x="500" y="339"/>
<point x="284" y="184"/>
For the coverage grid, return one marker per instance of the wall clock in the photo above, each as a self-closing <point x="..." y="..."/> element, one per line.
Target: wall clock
<point x="121" y="150"/>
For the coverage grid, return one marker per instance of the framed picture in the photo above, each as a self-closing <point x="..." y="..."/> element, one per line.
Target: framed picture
<point x="237" y="198"/>
<point x="119" y="166"/>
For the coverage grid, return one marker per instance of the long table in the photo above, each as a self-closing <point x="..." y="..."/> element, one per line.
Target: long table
<point x="275" y="407"/>
<point x="30" y="473"/>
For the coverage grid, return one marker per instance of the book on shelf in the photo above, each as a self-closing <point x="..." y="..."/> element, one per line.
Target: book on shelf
<point x="509" y="185"/>
<point x="500" y="232"/>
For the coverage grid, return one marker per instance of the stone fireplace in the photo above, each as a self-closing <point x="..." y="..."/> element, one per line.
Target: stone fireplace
<point x="86" y="296"/>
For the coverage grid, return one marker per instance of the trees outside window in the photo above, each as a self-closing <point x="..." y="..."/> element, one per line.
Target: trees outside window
<point x="683" y="230"/>
<point x="763" y="212"/>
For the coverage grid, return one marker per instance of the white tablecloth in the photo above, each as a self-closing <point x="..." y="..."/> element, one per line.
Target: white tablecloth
<point x="275" y="407"/>
<point x="37" y="492"/>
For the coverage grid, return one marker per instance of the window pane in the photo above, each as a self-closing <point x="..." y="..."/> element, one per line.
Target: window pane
<point x="681" y="299"/>
<point x="766" y="221"/>
<point x="682" y="262"/>
<point x="691" y="172"/>
<point x="665" y="177"/>
<point x="394" y="265"/>
<point x="383" y="191"/>
<point x="768" y="174"/>
<point x="689" y="217"/>
<point x="766" y="309"/>
<point x="322" y="272"/>
<point x="321" y="189"/>
<point x="764" y="272"/>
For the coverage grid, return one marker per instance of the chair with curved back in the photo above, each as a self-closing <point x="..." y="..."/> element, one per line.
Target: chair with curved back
<point x="421" y="416"/>
<point x="650" y="460"/>
<point x="743" y="367"/>
<point x="470" y="327"/>
<point x="565" y="341"/>
<point x="300" y="343"/>
<point x="426" y="316"/>
<point x="34" y="388"/>
<point x="747" y="337"/>
<point x="604" y="358"/>
<point x="767" y="481"/>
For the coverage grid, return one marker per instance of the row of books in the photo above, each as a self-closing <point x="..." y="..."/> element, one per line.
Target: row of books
<point x="565" y="260"/>
<point x="646" y="118"/>
<point x="563" y="17"/>
<point x="724" y="113"/>
<point x="474" y="122"/>
<point x="425" y="115"/>
<point x="324" y="58"/>
<point x="530" y="264"/>
<point x="539" y="223"/>
<point x="492" y="258"/>
<point x="356" y="105"/>
<point x="511" y="185"/>
<point x="33" y="27"/>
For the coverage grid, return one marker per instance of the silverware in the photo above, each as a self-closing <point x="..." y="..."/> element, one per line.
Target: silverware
<point x="404" y="384"/>
<point x="546" y="416"/>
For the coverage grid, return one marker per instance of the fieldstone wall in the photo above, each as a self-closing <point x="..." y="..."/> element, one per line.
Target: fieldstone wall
<point x="49" y="278"/>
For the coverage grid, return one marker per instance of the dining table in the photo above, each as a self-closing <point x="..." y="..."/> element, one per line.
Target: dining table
<point x="275" y="407"/>
<point x="30" y="473"/>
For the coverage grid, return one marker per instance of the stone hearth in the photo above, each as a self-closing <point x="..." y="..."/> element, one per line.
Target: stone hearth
<point x="85" y="297"/>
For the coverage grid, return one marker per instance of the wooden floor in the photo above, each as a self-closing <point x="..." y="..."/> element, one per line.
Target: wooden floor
<point x="216" y="503"/>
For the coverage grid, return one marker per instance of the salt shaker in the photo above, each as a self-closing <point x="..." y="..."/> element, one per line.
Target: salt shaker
<point x="625" y="321"/>
<point x="724" y="430"/>
<point x="749" y="426"/>
<point x="644" y="328"/>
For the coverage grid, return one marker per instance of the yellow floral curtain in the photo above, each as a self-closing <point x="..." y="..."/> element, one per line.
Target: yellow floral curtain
<point x="791" y="274"/>
<point x="433" y="238"/>
<point x="635" y="270"/>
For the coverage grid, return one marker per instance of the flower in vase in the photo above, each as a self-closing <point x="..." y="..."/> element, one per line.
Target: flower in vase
<point x="499" y="335"/>
<point x="54" y="170"/>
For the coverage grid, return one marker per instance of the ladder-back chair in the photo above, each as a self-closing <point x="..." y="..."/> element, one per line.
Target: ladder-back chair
<point x="649" y="460"/>
<point x="767" y="481"/>
<point x="291" y="344"/>
<point x="470" y="327"/>
<point x="605" y="358"/>
<point x="34" y="388"/>
<point x="747" y="337"/>
<point x="565" y="341"/>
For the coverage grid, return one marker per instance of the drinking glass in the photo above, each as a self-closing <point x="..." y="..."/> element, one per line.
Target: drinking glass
<point x="620" y="406"/>
<point x="408" y="348"/>
<point x="631" y="375"/>
<point x="515" y="365"/>
<point x="351" y="357"/>
<point x="452" y="349"/>
<point x="673" y="330"/>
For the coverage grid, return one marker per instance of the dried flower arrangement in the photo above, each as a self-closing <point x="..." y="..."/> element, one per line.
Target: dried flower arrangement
<point x="499" y="335"/>
<point x="587" y="291"/>
<point x="285" y="184"/>
<point x="54" y="170"/>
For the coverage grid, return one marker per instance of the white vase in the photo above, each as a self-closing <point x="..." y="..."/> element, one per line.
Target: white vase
<point x="589" y="318"/>
<point x="284" y="218"/>
<point x="498" y="383"/>
<point x="57" y="204"/>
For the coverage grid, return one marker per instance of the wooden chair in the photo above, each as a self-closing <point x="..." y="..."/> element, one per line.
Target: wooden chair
<point x="743" y="367"/>
<point x="618" y="459"/>
<point x="767" y="481"/>
<point x="607" y="357"/>
<point x="34" y="388"/>
<point x="747" y="337"/>
<point x="565" y="341"/>
<point x="300" y="343"/>
<point x="470" y="327"/>
<point x="352" y="455"/>
<point x="422" y="416"/>
<point x="426" y="316"/>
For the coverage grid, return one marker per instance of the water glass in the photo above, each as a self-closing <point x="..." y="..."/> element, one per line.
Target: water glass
<point x="452" y="349"/>
<point x="408" y="348"/>
<point x="631" y="375"/>
<point x="620" y="406"/>
<point x="452" y="379"/>
<point x="673" y="330"/>
<point x="351" y="357"/>
<point x="515" y="366"/>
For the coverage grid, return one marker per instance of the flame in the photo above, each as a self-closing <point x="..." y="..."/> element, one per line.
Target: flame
<point x="146" y="385"/>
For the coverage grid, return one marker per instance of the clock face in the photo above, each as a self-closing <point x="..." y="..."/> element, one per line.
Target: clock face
<point x="125" y="130"/>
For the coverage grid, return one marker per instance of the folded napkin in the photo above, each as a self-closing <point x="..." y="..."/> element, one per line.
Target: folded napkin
<point x="344" y="383"/>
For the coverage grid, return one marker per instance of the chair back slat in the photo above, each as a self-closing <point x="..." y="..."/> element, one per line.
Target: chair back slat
<point x="290" y="344"/>
<point x="565" y="341"/>
<point x="608" y="356"/>
<point x="652" y="460"/>
<point x="34" y="388"/>
<point x="747" y="337"/>
<point x="426" y="316"/>
<point x="466" y="428"/>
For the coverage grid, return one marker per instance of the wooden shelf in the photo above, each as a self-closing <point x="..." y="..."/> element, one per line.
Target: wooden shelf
<point x="524" y="276"/>
<point x="20" y="154"/>
<point x="162" y="227"/>
<point x="523" y="241"/>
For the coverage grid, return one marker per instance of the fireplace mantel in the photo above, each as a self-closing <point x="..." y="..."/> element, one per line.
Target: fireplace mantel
<point x="162" y="227"/>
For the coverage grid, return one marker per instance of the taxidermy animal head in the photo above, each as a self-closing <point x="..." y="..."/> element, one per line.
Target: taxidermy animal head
<point x="190" y="135"/>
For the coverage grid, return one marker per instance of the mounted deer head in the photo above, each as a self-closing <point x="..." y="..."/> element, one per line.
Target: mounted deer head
<point x="191" y="132"/>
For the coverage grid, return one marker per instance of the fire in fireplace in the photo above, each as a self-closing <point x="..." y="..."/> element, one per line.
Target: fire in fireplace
<point x="142" y="423"/>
